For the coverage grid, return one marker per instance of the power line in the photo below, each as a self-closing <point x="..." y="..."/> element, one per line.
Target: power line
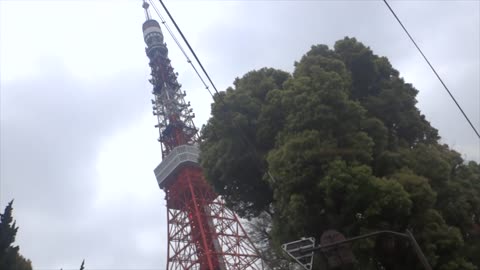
<point x="190" y="47"/>
<point x="433" y="69"/>
<point x="179" y="46"/>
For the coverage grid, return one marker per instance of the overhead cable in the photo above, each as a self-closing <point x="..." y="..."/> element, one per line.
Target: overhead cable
<point x="180" y="46"/>
<point x="190" y="47"/>
<point x="433" y="69"/>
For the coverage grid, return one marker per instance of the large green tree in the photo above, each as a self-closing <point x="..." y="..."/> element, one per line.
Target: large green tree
<point x="10" y="258"/>
<point x="340" y="144"/>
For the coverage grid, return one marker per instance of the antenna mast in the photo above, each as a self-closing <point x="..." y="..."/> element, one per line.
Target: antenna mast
<point x="147" y="12"/>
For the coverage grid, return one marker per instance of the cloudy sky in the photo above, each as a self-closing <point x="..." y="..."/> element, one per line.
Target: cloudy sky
<point x="77" y="142"/>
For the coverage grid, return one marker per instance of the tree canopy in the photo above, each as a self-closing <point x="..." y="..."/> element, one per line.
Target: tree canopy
<point x="10" y="258"/>
<point x="340" y="144"/>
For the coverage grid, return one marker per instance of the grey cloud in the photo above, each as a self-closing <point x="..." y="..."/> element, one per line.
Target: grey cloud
<point x="275" y="35"/>
<point x="52" y="128"/>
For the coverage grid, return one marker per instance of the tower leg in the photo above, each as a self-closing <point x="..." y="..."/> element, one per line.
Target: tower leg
<point x="202" y="233"/>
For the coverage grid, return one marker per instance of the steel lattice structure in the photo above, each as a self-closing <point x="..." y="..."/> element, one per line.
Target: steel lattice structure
<point x="202" y="233"/>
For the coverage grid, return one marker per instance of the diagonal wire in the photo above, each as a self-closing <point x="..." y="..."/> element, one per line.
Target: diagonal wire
<point x="433" y="69"/>
<point x="190" y="47"/>
<point x="180" y="46"/>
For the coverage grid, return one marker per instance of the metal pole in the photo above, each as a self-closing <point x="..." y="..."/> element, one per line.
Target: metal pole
<point x="320" y="247"/>
<point x="407" y="235"/>
<point x="418" y="251"/>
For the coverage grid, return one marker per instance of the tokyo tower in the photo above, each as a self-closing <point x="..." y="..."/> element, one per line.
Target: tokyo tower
<point x="202" y="233"/>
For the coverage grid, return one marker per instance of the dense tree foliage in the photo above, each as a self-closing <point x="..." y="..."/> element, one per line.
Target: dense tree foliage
<point x="10" y="258"/>
<point x="340" y="144"/>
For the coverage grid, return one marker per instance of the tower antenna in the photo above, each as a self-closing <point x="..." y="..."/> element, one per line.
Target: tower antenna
<point x="147" y="12"/>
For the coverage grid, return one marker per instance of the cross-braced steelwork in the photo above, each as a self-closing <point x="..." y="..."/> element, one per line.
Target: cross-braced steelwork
<point x="202" y="233"/>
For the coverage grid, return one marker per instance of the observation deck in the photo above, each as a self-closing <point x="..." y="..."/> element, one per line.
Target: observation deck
<point x="180" y="157"/>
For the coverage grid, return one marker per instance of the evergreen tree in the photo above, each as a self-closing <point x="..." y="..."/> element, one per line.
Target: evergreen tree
<point x="10" y="259"/>
<point x="340" y="144"/>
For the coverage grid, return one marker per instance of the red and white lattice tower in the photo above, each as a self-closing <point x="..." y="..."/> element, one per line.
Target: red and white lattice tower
<point x="202" y="233"/>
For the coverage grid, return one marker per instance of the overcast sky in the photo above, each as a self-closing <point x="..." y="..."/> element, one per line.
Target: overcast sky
<point x="77" y="142"/>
